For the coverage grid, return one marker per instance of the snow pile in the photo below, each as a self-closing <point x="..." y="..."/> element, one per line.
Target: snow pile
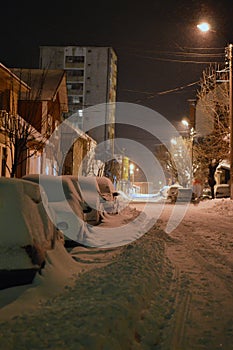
<point x="59" y="272"/>
<point x="221" y="206"/>
<point x="108" y="308"/>
<point x="118" y="230"/>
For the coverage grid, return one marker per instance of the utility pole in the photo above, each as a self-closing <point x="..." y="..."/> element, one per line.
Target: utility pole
<point x="205" y="27"/>
<point x="229" y="56"/>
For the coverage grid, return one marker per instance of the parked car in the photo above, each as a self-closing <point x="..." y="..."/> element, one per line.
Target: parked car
<point x="89" y="191"/>
<point x="163" y="191"/>
<point x="26" y="231"/>
<point x="108" y="194"/>
<point x="206" y="193"/>
<point x="222" y="191"/>
<point x="172" y="193"/>
<point x="68" y="206"/>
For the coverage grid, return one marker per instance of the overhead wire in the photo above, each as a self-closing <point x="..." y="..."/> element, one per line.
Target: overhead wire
<point x="151" y="95"/>
<point x="175" y="60"/>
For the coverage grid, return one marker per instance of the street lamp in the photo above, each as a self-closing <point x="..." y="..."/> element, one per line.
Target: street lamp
<point x="131" y="171"/>
<point x="205" y="27"/>
<point x="229" y="56"/>
<point x="185" y="122"/>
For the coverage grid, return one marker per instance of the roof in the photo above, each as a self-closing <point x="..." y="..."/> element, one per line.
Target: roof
<point x="45" y="84"/>
<point x="8" y="80"/>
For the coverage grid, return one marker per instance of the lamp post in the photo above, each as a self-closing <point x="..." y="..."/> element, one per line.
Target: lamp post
<point x="205" y="27"/>
<point x="229" y="56"/>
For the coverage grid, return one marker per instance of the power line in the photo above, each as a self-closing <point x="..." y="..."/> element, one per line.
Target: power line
<point x="174" y="60"/>
<point x="153" y="94"/>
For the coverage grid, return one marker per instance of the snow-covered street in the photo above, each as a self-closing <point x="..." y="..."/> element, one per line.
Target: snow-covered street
<point x="163" y="291"/>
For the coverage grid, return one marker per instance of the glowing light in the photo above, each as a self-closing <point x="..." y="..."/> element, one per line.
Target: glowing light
<point x="204" y="27"/>
<point x="173" y="141"/>
<point x="131" y="168"/>
<point x="184" y="122"/>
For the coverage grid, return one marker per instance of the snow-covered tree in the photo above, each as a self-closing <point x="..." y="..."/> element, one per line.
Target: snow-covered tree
<point x="176" y="161"/>
<point x="211" y="142"/>
<point x="22" y="140"/>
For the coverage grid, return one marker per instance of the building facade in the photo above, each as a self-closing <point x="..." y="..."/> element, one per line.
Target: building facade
<point x="91" y="74"/>
<point x="10" y="88"/>
<point x="42" y="107"/>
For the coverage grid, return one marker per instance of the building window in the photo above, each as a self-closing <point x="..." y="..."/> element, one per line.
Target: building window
<point x="72" y="100"/>
<point x="74" y="59"/>
<point x="78" y="87"/>
<point x="72" y="73"/>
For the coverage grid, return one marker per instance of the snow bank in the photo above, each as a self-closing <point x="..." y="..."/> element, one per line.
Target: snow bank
<point x="107" y="308"/>
<point x="60" y="272"/>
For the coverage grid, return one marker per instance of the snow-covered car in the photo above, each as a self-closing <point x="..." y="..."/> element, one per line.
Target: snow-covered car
<point x="163" y="191"/>
<point x="26" y="231"/>
<point x="206" y="193"/>
<point x="67" y="205"/>
<point x="89" y="190"/>
<point x="108" y="194"/>
<point x="172" y="193"/>
<point x="185" y="195"/>
<point x="222" y="191"/>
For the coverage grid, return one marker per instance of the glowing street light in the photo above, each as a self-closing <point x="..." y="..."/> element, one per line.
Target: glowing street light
<point x="204" y="27"/>
<point x="185" y="122"/>
<point x="173" y="141"/>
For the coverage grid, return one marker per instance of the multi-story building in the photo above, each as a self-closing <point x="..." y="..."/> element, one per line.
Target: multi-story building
<point x="91" y="79"/>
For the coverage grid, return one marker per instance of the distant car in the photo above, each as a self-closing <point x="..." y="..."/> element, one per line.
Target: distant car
<point x="108" y="194"/>
<point x="172" y="193"/>
<point x="185" y="195"/>
<point x="206" y="193"/>
<point x="163" y="191"/>
<point x="89" y="191"/>
<point x="68" y="206"/>
<point x="26" y="231"/>
<point x="222" y="191"/>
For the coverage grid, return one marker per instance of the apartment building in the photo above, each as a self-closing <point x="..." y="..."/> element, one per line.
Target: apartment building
<point x="91" y="74"/>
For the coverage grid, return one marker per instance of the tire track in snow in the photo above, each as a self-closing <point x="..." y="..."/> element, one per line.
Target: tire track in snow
<point x="201" y="322"/>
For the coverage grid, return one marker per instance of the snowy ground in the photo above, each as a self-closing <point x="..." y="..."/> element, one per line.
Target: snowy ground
<point x="163" y="291"/>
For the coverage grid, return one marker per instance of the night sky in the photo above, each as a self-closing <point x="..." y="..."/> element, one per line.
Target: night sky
<point x="154" y="41"/>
